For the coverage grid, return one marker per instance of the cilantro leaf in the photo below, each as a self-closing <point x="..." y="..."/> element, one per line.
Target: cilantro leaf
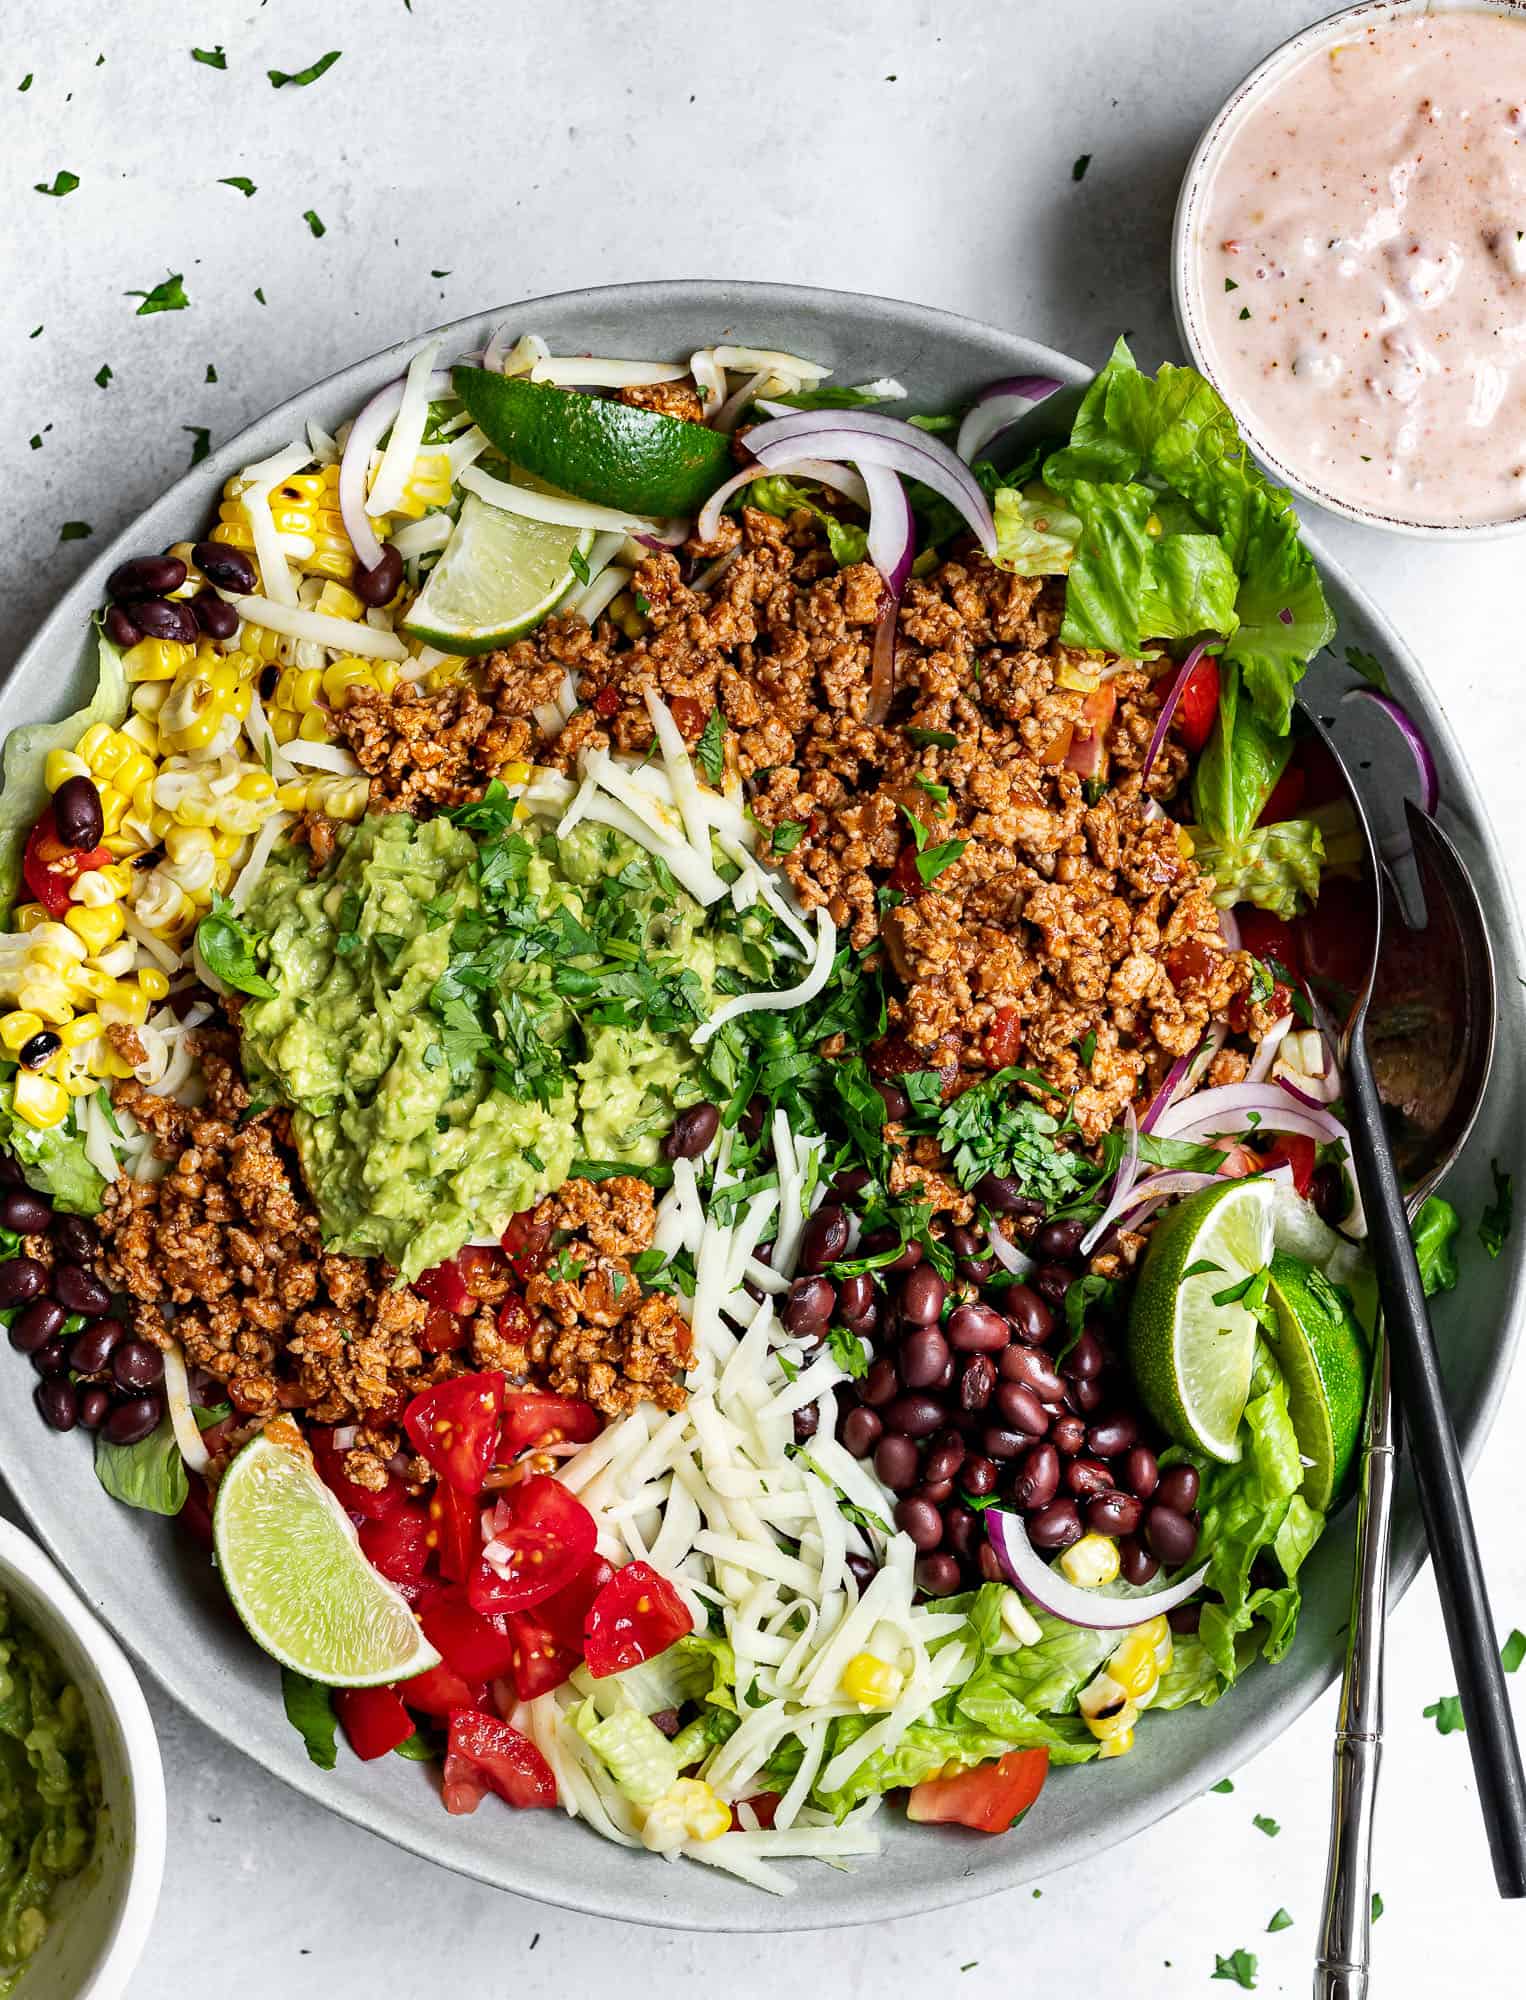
<point x="1498" y="1219"/>
<point x="103" y="375"/>
<point x="201" y="441"/>
<point x="1240" y="1966"/>
<point x="1377" y="1906"/>
<point x="314" y="221"/>
<point x="63" y="183"/>
<point x="227" y="948"/>
<point x="1264" y="1824"/>
<point x="987" y="1130"/>
<point x="1513" y="1652"/>
<point x="167" y="296"/>
<point x="847" y="1350"/>
<point x="241" y="183"/>
<point x="1281" y="1921"/>
<point x="934" y="739"/>
<point x="787" y="836"/>
<point x="309" y="1709"/>
<point x="710" y="751"/>
<point x="75" y="531"/>
<point x="214" y="58"/>
<point x="1224" y="1785"/>
<point x="1078" y="169"/>
<point x="311" y="74"/>
<point x="1435" y="1232"/>
<point x="1447" y="1715"/>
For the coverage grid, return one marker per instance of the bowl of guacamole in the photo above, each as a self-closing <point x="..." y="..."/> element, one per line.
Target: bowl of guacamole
<point x="82" y="1817"/>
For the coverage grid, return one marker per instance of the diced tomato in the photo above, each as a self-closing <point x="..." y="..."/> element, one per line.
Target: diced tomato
<point x="1239" y="1160"/>
<point x="453" y="1528"/>
<point x="1003" y="1037"/>
<point x="1191" y="962"/>
<point x="606" y="701"/>
<point x="904" y="875"/>
<point x="637" y="1615"/>
<point x="991" y="1798"/>
<point x="1298" y="1151"/>
<point x="51" y="869"/>
<point x="476" y="1648"/>
<point x="373" y="1719"/>
<point x="437" y="1691"/>
<point x="455" y="1426"/>
<point x="443" y="1332"/>
<point x="549" y="1637"/>
<point x="690" y="715"/>
<point x="399" y="1546"/>
<point x="1197" y="706"/>
<point x="1267" y="937"/>
<point x="1087" y="752"/>
<point x="449" y="1284"/>
<point x="549" y="1535"/>
<point x="1285" y="797"/>
<point x="361" y="1503"/>
<point x="485" y="1754"/>
<point x="534" y="1417"/>
<point x="1057" y="749"/>
<point x="527" y="1244"/>
<point x="514" y="1319"/>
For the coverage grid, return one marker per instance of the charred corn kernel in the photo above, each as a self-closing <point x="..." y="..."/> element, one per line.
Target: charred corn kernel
<point x="443" y="672"/>
<point x="188" y="843"/>
<point x="97" y="928"/>
<point x="193" y="576"/>
<point x="1118" y="1722"/>
<point x="688" y="1810"/>
<point x="208" y="694"/>
<point x="298" y="688"/>
<point x="29" y="916"/>
<point x="18" y="1027"/>
<point x="155" y="659"/>
<point x="314" y="726"/>
<point x="83" y="1028"/>
<point x="1117" y="1746"/>
<point x="871" y="1681"/>
<point x="336" y="797"/>
<point x="153" y="982"/>
<point x="162" y="906"/>
<point x="267" y="648"/>
<point x="1091" y="1562"/>
<point x="59" y="765"/>
<point x="1134" y="1666"/>
<point x="337" y="602"/>
<point x="428" y="485"/>
<point x="283" y="724"/>
<point x="39" y="1100"/>
<point x="118" y="959"/>
<point x="1102" y="1696"/>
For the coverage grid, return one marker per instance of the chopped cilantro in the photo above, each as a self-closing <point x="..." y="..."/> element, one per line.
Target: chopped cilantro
<point x="314" y="221"/>
<point x="643" y="605"/>
<point x="848" y="1351"/>
<point x="34" y="333"/>
<point x="240" y="183"/>
<point x="931" y="861"/>
<point x="35" y="441"/>
<point x="1513" y="1652"/>
<point x="63" y="183"/>
<point x="1377" y="1906"/>
<point x="26" y="82"/>
<point x="74" y="531"/>
<point x="933" y="739"/>
<point x="1230" y="285"/>
<point x="103" y="375"/>
<point x="1265" y="1824"/>
<point x="1090" y="1290"/>
<point x="214" y="58"/>
<point x="1281" y="1921"/>
<point x="564" y="1268"/>
<point x="212" y="377"/>
<point x="1224" y="1785"/>
<point x="1369" y="666"/>
<point x="201" y="441"/>
<point x="1497" y="1220"/>
<point x="304" y="76"/>
<point x="987" y="1130"/>
<point x="259" y="293"/>
<point x="1240" y="1966"/>
<point x="787" y="836"/>
<point x="1245" y="312"/>
<point x="167" y="296"/>
<point x="1088" y="1048"/>
<point x="1078" y="170"/>
<point x="710" y="751"/>
<point x="441" y="274"/>
<point x="577" y="562"/>
<point x="1447" y="1715"/>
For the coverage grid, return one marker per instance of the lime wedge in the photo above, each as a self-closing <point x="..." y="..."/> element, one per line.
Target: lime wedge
<point x="1190" y="1347"/>
<point x="294" y="1570"/>
<point x="499" y="576"/>
<point x="1323" y="1357"/>
<point x="599" y="450"/>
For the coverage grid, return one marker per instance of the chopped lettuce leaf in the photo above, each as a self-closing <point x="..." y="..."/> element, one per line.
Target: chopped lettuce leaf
<point x="24" y="794"/>
<point x="54" y="1160"/>
<point x="1435" y="1232"/>
<point x="849" y="543"/>
<point x="1272" y="868"/>
<point x="1036" y="533"/>
<point x="1241" y="763"/>
<point x="634" y="1750"/>
<point x="150" y="1474"/>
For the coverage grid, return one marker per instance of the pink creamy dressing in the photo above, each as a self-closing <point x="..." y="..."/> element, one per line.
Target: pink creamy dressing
<point x="1361" y="268"/>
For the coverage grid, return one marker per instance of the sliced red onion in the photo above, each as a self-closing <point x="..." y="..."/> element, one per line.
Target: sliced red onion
<point x="1173" y="1181"/>
<point x="1123" y="1181"/>
<point x="892" y="544"/>
<point x="1055" y="1593"/>
<point x="867" y="438"/>
<point x="355" y="465"/>
<point x="1286" y="614"/>
<point x="1163" y="1097"/>
<point x="1229" y="929"/>
<point x="672" y="534"/>
<point x="840" y="478"/>
<point x="1229" y="1109"/>
<point x="997" y="406"/>
<point x="1266" y="1050"/>
<point x="1174" y="694"/>
<point x="1007" y="1254"/>
<point x="1419" y="749"/>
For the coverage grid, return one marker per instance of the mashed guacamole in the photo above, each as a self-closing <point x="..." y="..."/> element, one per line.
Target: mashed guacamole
<point x="464" y="1010"/>
<point x="50" y="1788"/>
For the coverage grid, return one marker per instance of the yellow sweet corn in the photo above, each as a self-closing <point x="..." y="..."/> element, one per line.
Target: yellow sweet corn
<point x="1118" y="1745"/>
<point x="1091" y="1562"/>
<point x="428" y="485"/>
<point x="60" y="765"/>
<point x="314" y="726"/>
<point x="39" y="1100"/>
<point x="83" y="1028"/>
<point x="209" y="699"/>
<point x="871" y="1681"/>
<point x="156" y="659"/>
<point x="193" y="576"/>
<point x="335" y="601"/>
<point x="152" y="983"/>
<point x="96" y="928"/>
<point x="17" y="1029"/>
<point x="29" y="916"/>
<point x="688" y="1810"/>
<point x="1133" y="1665"/>
<point x="56" y="945"/>
<point x="47" y="994"/>
<point x="1112" y="1702"/>
<point x="1116" y="1722"/>
<point x="334" y="796"/>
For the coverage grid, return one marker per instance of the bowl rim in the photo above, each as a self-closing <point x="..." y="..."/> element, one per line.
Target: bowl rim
<point x="874" y="1894"/>
<point x="123" y="1947"/>
<point x="1184" y="297"/>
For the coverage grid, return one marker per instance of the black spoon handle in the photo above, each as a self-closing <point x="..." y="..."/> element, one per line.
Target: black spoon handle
<point x="1432" y="1446"/>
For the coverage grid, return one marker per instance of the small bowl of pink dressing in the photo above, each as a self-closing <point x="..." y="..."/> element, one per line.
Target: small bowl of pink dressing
<point x="1349" y="264"/>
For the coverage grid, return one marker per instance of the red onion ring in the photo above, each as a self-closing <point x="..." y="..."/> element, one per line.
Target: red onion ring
<point x="1415" y="743"/>
<point x="1174" y="694"/>
<point x="997" y="407"/>
<point x="1227" y="1110"/>
<point x="355" y="464"/>
<point x="840" y="478"/>
<point x="1170" y="1084"/>
<point x="892" y="544"/>
<point x="1123" y="1181"/>
<point x="1055" y="1593"/>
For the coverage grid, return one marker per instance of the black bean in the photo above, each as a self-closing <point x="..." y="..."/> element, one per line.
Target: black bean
<point x="1178" y="1488"/>
<point x="850" y="1183"/>
<point x="1052" y="1282"/>
<point x="945" y="1456"/>
<point x="886" y="1237"/>
<point x="824" y="1238"/>
<point x="1135" y="1563"/>
<point x="1027" y="1364"/>
<point x="920" y="1521"/>
<point x="974" y="1328"/>
<point x="894" y="1099"/>
<point x="977" y="1476"/>
<point x="1330" y="1193"/>
<point x="228" y="567"/>
<point x="1068" y="1434"/>
<point x="52" y="1358"/>
<point x="1004" y="1196"/>
<point x="1171" y="1536"/>
<point x="917" y="1416"/>
<point x="1084" y="1358"/>
<point x="214" y="614"/>
<point x="23" y="1212"/>
<point x="808" y="1308"/>
<point x="1088" y="1395"/>
<point x="1058" y="1242"/>
<point x="923" y="1357"/>
<point x="120" y="629"/>
<point x="862" y="1571"/>
<point x="855" y="1295"/>
<point x="1037" y="1479"/>
<point x="997" y="1442"/>
<point x="897" y="1462"/>
<point x="989" y="1564"/>
<point x="1031" y="1318"/>
<point x="77" y="817"/>
<point x="935" y="1490"/>
<point x="691" y="1132"/>
<point x="10" y="1174"/>
<point x="938" y="1575"/>
<point x="145" y="576"/>
<point x="1020" y="1409"/>
<point x="80" y="1290"/>
<point x="861" y="1430"/>
<point x="92" y="1347"/>
<point x="42" y="1047"/>
<point x="36" y="1323"/>
<point x="807" y="1418"/>
<point x="1185" y="1618"/>
<point x="1055" y="1526"/>
<point x="1113" y="1514"/>
<point x="21" y="1278"/>
<point x="860" y="1322"/>
<point x="130" y="1423"/>
<point x="881" y="1383"/>
<point x="1141" y="1473"/>
<point x="378" y="586"/>
<point x="1086" y="1477"/>
<point x="94" y="1404"/>
<point x="961" y="1526"/>
<point x="58" y="1404"/>
<point x="976" y="1382"/>
<point x="75" y="1236"/>
<point x="165" y="618"/>
<point x="1113" y="1435"/>
<point x="921" y="1296"/>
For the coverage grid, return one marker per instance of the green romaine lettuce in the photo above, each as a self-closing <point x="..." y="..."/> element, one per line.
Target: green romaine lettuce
<point x="1036" y="533"/>
<point x="1241" y="763"/>
<point x="53" y="1161"/>
<point x="150" y="1474"/>
<point x="777" y="495"/>
<point x="1272" y="868"/>
<point x="1435" y="1232"/>
<point x="640" y="1759"/>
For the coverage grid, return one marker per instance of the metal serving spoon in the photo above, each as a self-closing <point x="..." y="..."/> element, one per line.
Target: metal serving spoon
<point x="1419" y="1035"/>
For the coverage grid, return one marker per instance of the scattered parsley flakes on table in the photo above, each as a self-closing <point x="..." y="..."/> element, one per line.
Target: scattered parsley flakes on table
<point x="314" y="221"/>
<point x="1447" y="1713"/>
<point x="1267" y="1825"/>
<point x="1281" y="1921"/>
<point x="240" y="182"/>
<point x="103" y="375"/>
<point x="311" y="74"/>
<point x="1078" y="171"/>
<point x="63" y="183"/>
<point x="74" y="531"/>
<point x="167" y="296"/>
<point x="1240" y="1966"/>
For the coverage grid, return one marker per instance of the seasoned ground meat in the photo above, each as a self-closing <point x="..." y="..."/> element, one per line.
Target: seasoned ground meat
<point x="668" y="399"/>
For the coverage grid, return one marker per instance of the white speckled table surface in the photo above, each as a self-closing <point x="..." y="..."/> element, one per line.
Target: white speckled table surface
<point x="461" y="154"/>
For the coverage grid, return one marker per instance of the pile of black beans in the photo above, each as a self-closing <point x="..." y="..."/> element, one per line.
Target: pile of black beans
<point x="962" y="1401"/>
<point x="144" y="606"/>
<point x="93" y="1372"/>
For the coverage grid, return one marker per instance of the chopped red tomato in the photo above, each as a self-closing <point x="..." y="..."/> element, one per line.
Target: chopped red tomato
<point x="904" y="875"/>
<point x="533" y="1417"/>
<point x="514" y="1321"/>
<point x="1267" y="937"/>
<point x="361" y="1503"/>
<point x="195" y="1514"/>
<point x="51" y="869"/>
<point x="1057" y="749"/>
<point x="437" y="1691"/>
<point x="637" y="1615"/>
<point x="548" y="1535"/>
<point x="454" y="1522"/>
<point x="526" y="1243"/>
<point x="476" y="1648"/>
<point x="449" y="1284"/>
<point x="1285" y="797"/>
<point x="991" y="1798"/>
<point x="1191" y="962"/>
<point x="1239" y="1160"/>
<point x="400" y="1545"/>
<point x="1197" y="707"/>
<point x="690" y="715"/>
<point x="1003" y="1037"/>
<point x="373" y="1719"/>
<point x="443" y="1332"/>
<point x="1298" y="1151"/>
<point x="486" y="1755"/>
<point x="455" y="1426"/>
<point x="549" y="1637"/>
<point x="1087" y="753"/>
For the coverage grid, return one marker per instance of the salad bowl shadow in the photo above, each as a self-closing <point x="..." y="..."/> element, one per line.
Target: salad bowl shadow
<point x="158" y="1594"/>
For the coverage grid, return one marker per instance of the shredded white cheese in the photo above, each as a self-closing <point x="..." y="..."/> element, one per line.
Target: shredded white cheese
<point x="407" y="435"/>
<point x="340" y="635"/>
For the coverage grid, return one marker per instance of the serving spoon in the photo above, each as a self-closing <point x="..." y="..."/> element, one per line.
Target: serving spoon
<point x="1420" y="1032"/>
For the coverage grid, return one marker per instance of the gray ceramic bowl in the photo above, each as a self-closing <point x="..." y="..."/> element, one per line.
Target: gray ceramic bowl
<point x="166" y="1604"/>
